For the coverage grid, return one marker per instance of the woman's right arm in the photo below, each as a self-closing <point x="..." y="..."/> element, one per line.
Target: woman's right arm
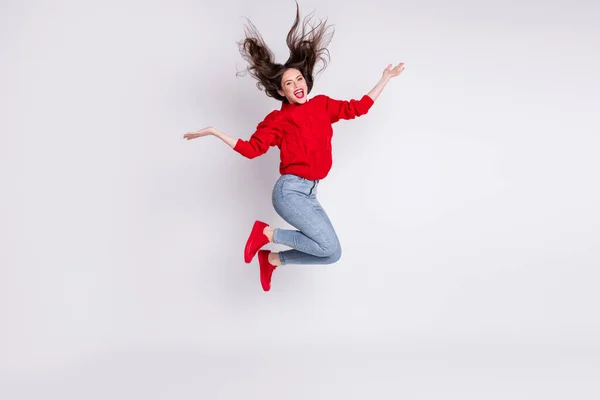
<point x="230" y="141"/>
<point x="267" y="134"/>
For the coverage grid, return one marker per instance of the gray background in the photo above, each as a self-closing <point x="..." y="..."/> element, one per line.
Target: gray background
<point x="466" y="203"/>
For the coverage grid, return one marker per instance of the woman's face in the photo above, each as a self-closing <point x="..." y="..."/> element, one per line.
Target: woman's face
<point x="293" y="86"/>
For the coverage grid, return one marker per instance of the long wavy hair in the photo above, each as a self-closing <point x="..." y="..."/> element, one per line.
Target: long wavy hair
<point x="307" y="48"/>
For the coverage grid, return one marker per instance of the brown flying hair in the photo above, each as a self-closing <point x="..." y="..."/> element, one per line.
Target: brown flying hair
<point x="306" y="49"/>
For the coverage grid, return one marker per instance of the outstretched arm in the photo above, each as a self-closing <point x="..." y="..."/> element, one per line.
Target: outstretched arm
<point x="350" y="109"/>
<point x="230" y="141"/>
<point x="267" y="134"/>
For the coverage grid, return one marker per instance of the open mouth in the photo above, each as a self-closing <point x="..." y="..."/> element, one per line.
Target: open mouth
<point x="299" y="93"/>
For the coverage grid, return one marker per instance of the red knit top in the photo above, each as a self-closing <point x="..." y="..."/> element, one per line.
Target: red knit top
<point x="303" y="133"/>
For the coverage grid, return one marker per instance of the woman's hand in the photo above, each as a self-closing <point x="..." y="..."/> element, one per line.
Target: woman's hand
<point x="390" y="72"/>
<point x="202" y="132"/>
<point x="210" y="130"/>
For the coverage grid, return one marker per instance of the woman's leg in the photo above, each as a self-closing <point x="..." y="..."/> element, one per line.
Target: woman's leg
<point x="315" y="241"/>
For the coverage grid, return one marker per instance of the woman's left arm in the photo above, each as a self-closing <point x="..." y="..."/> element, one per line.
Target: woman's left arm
<point x="350" y="109"/>
<point x="388" y="73"/>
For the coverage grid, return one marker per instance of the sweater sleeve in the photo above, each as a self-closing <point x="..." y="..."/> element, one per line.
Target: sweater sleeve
<point x="268" y="133"/>
<point x="347" y="109"/>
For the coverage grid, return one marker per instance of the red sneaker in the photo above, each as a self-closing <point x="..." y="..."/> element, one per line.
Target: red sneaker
<point x="266" y="269"/>
<point x="256" y="240"/>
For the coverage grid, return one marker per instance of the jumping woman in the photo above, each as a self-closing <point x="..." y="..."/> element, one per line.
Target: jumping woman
<point x="302" y="130"/>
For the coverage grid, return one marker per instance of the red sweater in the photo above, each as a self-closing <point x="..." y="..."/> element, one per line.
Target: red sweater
<point x="303" y="133"/>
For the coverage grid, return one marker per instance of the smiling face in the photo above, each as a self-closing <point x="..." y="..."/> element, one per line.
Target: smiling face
<point x="293" y="86"/>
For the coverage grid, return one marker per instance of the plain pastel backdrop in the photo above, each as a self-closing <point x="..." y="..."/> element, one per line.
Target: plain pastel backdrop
<point x="466" y="203"/>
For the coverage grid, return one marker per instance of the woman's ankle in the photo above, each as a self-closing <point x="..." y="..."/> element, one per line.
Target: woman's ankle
<point x="268" y="232"/>
<point x="274" y="259"/>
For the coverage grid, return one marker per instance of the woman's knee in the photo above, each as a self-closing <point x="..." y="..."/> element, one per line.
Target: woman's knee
<point x="334" y="252"/>
<point x="337" y="254"/>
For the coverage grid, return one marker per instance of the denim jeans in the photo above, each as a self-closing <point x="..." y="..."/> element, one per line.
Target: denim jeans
<point x="315" y="240"/>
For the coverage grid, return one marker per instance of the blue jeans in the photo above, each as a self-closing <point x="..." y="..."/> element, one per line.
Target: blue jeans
<point x="315" y="241"/>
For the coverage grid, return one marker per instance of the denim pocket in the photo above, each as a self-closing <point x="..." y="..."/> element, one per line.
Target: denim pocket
<point x="296" y="184"/>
